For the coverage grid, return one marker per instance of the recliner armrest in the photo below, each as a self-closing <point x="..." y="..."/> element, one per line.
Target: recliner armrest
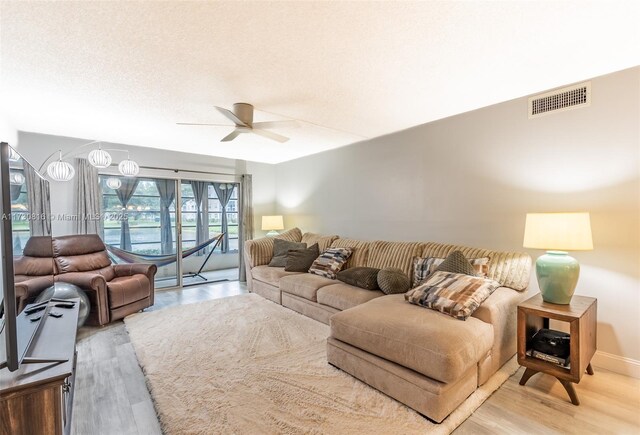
<point x="95" y="285"/>
<point x="86" y="280"/>
<point x="131" y="269"/>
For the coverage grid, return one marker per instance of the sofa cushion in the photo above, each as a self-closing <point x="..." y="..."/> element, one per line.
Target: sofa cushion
<point x="323" y="241"/>
<point x="359" y="248"/>
<point x="259" y="251"/>
<point x="125" y="290"/>
<point x="280" y="250"/>
<point x="392" y="280"/>
<point x="300" y="260"/>
<point x="330" y="262"/>
<point x="270" y="275"/>
<point x="363" y="277"/>
<point x="429" y="342"/>
<point x="343" y="296"/>
<point x="304" y="285"/>
<point x="455" y="294"/>
<point x="394" y="254"/>
<point x="511" y="269"/>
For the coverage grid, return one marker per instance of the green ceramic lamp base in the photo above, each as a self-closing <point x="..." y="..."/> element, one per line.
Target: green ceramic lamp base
<point x="273" y="233"/>
<point x="557" y="274"/>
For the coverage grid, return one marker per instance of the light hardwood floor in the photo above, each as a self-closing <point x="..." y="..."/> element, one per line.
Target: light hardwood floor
<point x="111" y="396"/>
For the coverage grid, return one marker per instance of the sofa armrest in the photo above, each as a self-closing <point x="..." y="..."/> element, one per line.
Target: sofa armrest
<point x="131" y="269"/>
<point x="258" y="251"/>
<point x="500" y="310"/>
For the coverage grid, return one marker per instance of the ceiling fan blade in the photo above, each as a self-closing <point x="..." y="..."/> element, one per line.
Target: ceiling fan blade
<point x="229" y="114"/>
<point x="270" y="135"/>
<point x="192" y="123"/>
<point x="231" y="136"/>
<point x="269" y="124"/>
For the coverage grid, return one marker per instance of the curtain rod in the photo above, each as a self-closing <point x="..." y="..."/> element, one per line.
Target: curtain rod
<point x="186" y="170"/>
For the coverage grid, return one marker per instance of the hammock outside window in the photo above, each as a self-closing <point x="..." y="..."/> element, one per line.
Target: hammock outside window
<point x="163" y="260"/>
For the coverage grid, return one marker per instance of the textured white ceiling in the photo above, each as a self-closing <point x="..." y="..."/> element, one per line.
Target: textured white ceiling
<point x="127" y="71"/>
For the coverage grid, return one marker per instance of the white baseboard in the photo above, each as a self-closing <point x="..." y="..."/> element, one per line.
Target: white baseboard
<point x="618" y="364"/>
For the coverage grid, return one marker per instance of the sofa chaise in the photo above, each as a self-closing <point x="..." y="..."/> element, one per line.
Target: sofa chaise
<point x="427" y="360"/>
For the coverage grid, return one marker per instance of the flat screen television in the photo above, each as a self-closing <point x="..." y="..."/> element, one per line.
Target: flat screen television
<point x="24" y="196"/>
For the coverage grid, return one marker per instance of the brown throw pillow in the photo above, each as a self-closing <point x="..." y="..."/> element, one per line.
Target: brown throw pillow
<point x="280" y="250"/>
<point x="456" y="262"/>
<point x="392" y="280"/>
<point x="363" y="277"/>
<point x="300" y="260"/>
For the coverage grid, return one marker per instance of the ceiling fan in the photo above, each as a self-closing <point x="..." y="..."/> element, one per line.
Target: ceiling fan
<point x="242" y="117"/>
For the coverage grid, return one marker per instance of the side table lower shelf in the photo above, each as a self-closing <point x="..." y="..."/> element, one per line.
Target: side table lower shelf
<point x="581" y="314"/>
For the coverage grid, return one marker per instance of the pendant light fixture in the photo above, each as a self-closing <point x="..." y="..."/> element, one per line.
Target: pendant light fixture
<point x="128" y="167"/>
<point x="114" y="183"/>
<point x="99" y="158"/>
<point x="16" y="178"/>
<point x="59" y="170"/>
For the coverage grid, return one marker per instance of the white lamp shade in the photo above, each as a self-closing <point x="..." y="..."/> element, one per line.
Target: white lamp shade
<point x="114" y="183"/>
<point x="99" y="158"/>
<point x="558" y="231"/>
<point x="128" y="168"/>
<point x="16" y="178"/>
<point x="272" y="223"/>
<point x="60" y="171"/>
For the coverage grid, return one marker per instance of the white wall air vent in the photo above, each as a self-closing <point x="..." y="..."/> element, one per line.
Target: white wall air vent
<point x="560" y="100"/>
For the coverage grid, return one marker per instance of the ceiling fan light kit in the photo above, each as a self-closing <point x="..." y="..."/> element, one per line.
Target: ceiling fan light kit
<point x="242" y="117"/>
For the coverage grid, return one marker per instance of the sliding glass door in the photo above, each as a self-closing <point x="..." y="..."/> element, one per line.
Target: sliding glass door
<point x="195" y="243"/>
<point x="140" y="223"/>
<point x="209" y="219"/>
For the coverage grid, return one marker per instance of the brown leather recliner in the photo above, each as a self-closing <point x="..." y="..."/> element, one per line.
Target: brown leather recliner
<point x="115" y="290"/>
<point x="33" y="271"/>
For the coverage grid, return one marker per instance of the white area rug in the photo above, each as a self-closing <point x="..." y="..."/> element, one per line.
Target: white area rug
<point x="244" y="365"/>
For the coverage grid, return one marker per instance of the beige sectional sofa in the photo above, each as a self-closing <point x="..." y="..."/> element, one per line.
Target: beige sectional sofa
<point x="425" y="359"/>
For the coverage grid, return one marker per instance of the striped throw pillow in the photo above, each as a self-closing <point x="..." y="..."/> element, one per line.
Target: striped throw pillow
<point x="329" y="263"/>
<point x="455" y="294"/>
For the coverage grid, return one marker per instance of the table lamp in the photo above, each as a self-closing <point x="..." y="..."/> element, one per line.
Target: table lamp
<point x="272" y="224"/>
<point x="557" y="271"/>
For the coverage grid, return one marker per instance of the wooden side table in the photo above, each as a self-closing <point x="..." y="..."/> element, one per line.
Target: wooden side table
<point x="534" y="314"/>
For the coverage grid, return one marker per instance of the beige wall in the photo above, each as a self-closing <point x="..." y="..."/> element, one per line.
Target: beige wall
<point x="471" y="178"/>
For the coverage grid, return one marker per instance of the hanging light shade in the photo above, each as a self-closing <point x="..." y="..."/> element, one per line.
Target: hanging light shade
<point x="99" y="158"/>
<point x="13" y="155"/>
<point x="114" y="183"/>
<point x="16" y="178"/>
<point x="60" y="171"/>
<point x="128" y="168"/>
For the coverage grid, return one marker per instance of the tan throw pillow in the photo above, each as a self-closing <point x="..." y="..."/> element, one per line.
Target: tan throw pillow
<point x="425" y="266"/>
<point x="329" y="263"/>
<point x="363" y="277"/>
<point x="280" y="249"/>
<point x="300" y="260"/>
<point x="455" y="294"/>
<point x="392" y="280"/>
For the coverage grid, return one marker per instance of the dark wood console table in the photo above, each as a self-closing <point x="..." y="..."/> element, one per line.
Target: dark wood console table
<point x="38" y="398"/>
